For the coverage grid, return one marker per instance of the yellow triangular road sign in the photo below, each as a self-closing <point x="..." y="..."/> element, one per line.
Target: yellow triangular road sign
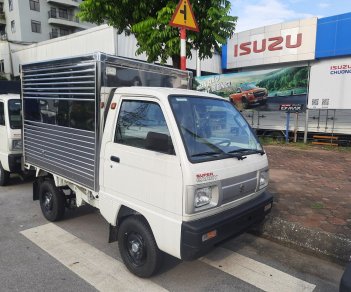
<point x="184" y="16"/>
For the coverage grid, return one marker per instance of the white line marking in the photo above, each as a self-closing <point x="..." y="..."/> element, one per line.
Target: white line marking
<point x="255" y="273"/>
<point x="98" y="269"/>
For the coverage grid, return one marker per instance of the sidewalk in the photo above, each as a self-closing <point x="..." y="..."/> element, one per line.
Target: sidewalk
<point x="312" y="199"/>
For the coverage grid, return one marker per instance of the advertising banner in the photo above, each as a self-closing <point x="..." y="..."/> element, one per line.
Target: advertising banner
<point x="330" y="84"/>
<point x="263" y="90"/>
<point x="280" y="43"/>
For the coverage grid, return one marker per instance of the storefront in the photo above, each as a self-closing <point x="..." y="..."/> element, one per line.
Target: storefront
<point x="305" y="62"/>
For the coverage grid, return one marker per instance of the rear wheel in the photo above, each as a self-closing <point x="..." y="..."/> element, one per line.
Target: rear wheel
<point x="4" y="176"/>
<point x="138" y="247"/>
<point x="52" y="201"/>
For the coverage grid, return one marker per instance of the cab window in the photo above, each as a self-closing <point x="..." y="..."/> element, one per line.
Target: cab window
<point x="141" y="124"/>
<point x="2" y="114"/>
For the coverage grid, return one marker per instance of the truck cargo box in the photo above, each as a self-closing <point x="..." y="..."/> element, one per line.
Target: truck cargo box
<point x="62" y="101"/>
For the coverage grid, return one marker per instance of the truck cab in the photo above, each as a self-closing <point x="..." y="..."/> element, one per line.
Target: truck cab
<point x="179" y="171"/>
<point x="10" y="133"/>
<point x="185" y="160"/>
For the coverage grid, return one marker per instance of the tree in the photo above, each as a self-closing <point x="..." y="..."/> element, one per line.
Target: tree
<point x="149" y="20"/>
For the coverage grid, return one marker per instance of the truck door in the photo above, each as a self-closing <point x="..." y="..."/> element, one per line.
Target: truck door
<point x="140" y="164"/>
<point x="3" y="132"/>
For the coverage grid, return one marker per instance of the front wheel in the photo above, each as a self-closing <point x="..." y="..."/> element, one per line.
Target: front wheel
<point x="138" y="247"/>
<point x="4" y="176"/>
<point x="245" y="103"/>
<point x="52" y="201"/>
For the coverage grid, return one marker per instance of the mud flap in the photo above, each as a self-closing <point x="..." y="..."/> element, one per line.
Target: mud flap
<point x="113" y="234"/>
<point x="36" y="184"/>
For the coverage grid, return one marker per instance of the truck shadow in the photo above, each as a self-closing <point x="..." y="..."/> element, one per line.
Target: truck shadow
<point x="78" y="212"/>
<point x="16" y="179"/>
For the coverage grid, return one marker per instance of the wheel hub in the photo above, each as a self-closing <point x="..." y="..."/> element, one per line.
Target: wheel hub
<point x="48" y="202"/>
<point x="136" y="248"/>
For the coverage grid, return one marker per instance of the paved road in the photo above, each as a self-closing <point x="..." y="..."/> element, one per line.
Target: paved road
<point x="73" y="255"/>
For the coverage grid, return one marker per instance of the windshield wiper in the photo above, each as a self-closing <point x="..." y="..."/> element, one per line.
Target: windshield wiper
<point x="247" y="151"/>
<point x="208" y="153"/>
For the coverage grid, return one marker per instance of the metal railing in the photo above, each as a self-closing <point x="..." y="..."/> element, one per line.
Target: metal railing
<point x="63" y="15"/>
<point x="56" y="34"/>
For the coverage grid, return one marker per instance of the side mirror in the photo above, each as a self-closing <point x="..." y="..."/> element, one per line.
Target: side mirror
<point x="158" y="142"/>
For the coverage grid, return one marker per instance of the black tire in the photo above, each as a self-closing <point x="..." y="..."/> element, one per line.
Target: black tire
<point x="4" y="176"/>
<point x="138" y="247"/>
<point x="245" y="103"/>
<point x="52" y="201"/>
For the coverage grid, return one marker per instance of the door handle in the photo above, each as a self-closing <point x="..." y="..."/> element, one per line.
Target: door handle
<point x="115" y="159"/>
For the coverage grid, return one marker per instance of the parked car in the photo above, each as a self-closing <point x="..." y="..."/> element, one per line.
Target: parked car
<point x="248" y="95"/>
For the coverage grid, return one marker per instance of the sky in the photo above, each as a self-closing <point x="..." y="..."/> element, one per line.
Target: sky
<point x="258" y="13"/>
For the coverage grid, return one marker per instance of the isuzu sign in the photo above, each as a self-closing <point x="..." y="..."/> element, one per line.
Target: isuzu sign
<point x="280" y="43"/>
<point x="330" y="84"/>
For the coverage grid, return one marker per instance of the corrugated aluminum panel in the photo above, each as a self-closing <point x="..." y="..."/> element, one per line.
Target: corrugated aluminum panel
<point x="51" y="140"/>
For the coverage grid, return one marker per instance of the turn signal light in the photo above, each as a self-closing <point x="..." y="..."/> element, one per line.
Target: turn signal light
<point x="209" y="235"/>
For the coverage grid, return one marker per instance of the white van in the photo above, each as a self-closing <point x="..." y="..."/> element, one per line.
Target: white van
<point x="10" y="136"/>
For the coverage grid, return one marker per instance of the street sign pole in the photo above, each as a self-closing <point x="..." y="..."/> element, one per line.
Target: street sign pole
<point x="182" y="48"/>
<point x="183" y="17"/>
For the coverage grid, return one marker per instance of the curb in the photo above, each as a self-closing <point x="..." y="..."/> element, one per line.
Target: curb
<point x="316" y="241"/>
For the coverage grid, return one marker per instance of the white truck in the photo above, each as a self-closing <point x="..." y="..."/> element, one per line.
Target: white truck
<point x="10" y="136"/>
<point x="171" y="170"/>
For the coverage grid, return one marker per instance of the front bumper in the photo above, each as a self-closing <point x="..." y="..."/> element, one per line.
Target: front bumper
<point x="15" y="164"/>
<point x="228" y="223"/>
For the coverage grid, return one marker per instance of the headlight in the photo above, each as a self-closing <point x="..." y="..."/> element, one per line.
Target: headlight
<point x="263" y="179"/>
<point x="202" y="197"/>
<point x="16" y="144"/>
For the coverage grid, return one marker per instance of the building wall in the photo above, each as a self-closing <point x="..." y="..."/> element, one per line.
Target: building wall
<point x="279" y="43"/>
<point x="102" y="38"/>
<point x="334" y="36"/>
<point x="23" y="15"/>
<point x="127" y="46"/>
<point x="5" y="57"/>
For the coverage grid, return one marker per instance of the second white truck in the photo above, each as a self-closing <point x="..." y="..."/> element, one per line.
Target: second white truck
<point x="171" y="170"/>
<point x="10" y="136"/>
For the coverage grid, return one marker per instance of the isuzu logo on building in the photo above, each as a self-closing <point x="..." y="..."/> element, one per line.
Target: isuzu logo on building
<point x="340" y="69"/>
<point x="271" y="44"/>
<point x="274" y="44"/>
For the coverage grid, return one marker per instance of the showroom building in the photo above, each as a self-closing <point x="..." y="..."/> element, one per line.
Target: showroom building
<point x="303" y="65"/>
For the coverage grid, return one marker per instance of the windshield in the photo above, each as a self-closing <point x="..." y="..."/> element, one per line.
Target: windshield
<point x="245" y="87"/>
<point x="15" y="113"/>
<point x="212" y="128"/>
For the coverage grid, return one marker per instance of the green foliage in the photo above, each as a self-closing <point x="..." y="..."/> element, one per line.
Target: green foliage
<point x="149" y="22"/>
<point x="287" y="79"/>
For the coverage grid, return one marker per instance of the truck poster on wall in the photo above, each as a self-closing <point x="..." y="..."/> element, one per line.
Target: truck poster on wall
<point x="264" y="90"/>
<point x="330" y="84"/>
